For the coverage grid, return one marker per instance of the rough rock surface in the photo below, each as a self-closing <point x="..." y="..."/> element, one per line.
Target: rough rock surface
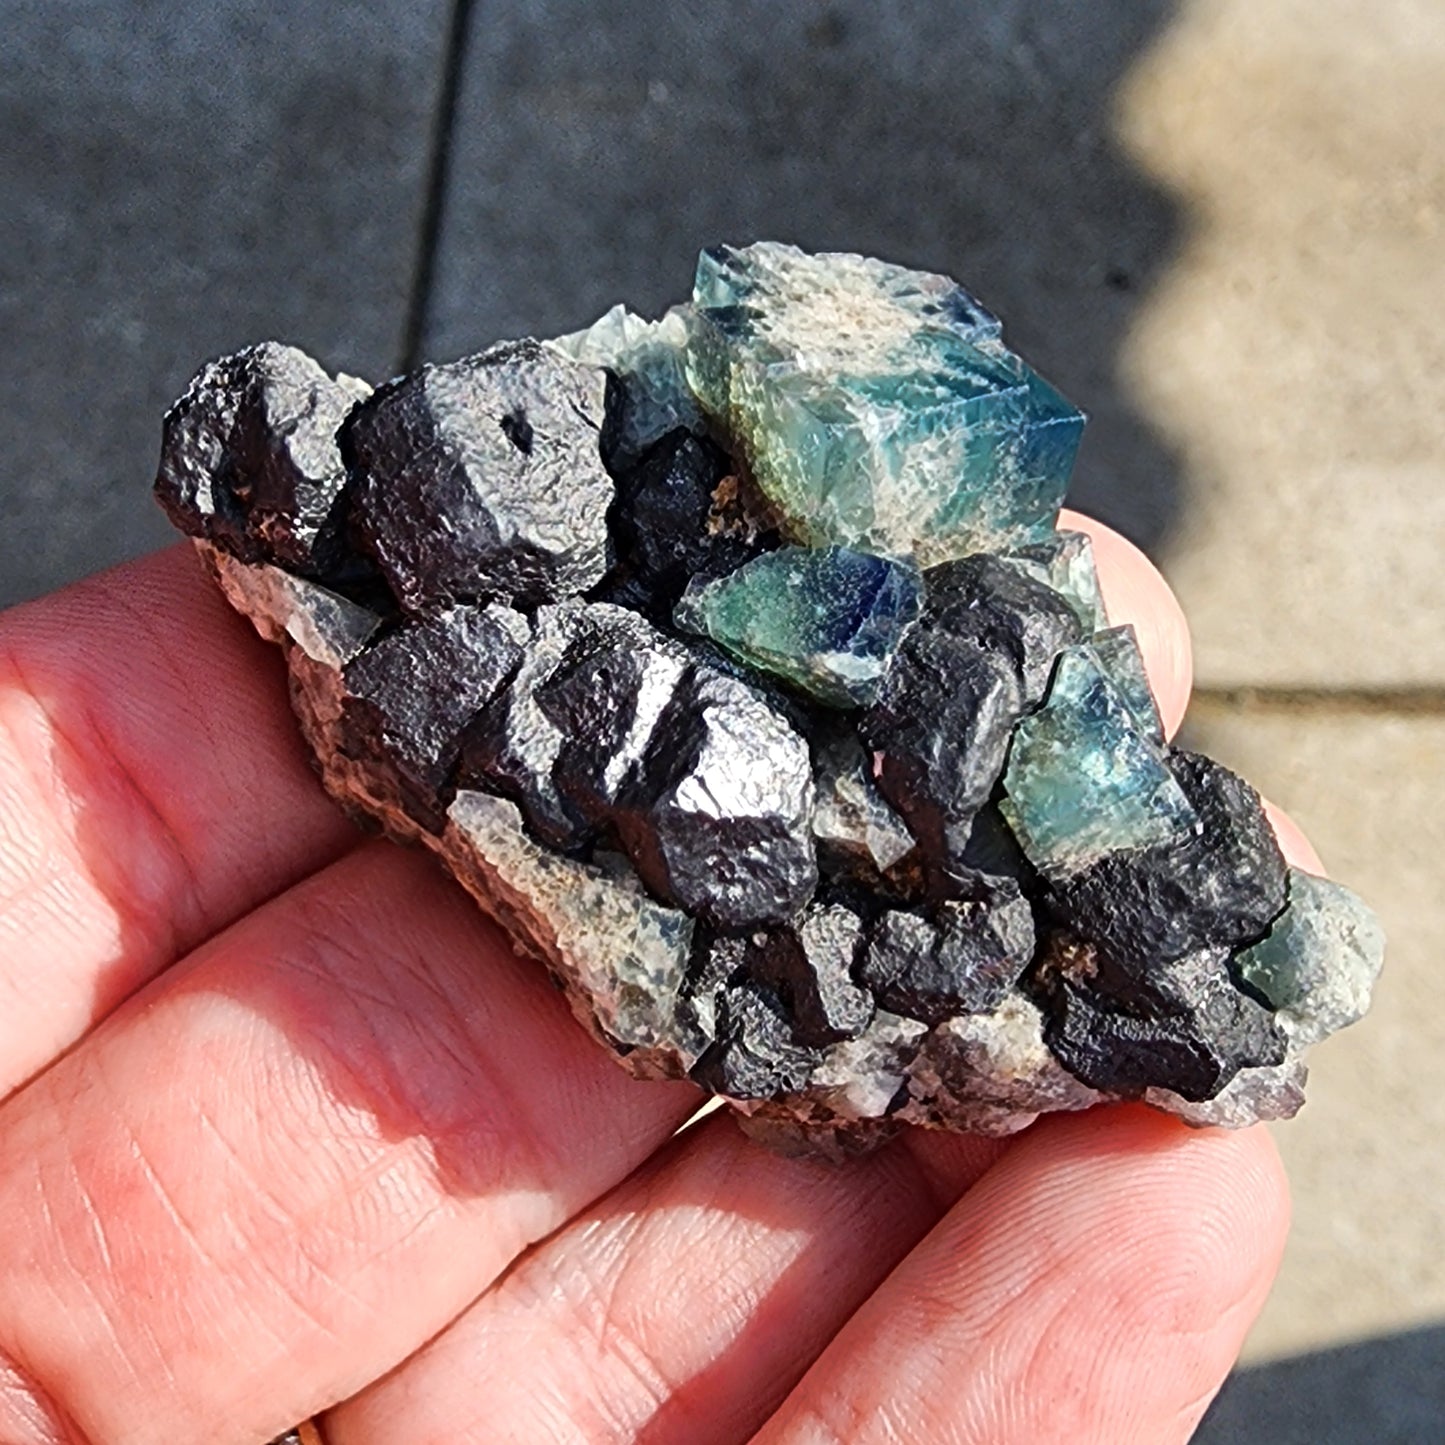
<point x="732" y="663"/>
<point x="250" y="462"/>
<point x="669" y="525"/>
<point x="483" y="478"/>
<point x="1220" y="885"/>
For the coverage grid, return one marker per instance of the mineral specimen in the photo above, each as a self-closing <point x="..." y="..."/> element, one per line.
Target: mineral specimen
<point x="483" y="479"/>
<point x="734" y="663"/>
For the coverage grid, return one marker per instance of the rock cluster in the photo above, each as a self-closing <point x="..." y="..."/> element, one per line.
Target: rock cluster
<point x="733" y="662"/>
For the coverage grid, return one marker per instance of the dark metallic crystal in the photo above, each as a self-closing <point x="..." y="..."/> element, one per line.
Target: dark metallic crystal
<point x="962" y="960"/>
<point x="1181" y="1025"/>
<point x="483" y="478"/>
<point x="1219" y="888"/>
<point x="408" y="697"/>
<point x="718" y="817"/>
<point x="665" y="526"/>
<point x="939" y="731"/>
<point x="249" y="459"/>
<point x="809" y="965"/>
<point x="1004" y="612"/>
<point x="755" y="1055"/>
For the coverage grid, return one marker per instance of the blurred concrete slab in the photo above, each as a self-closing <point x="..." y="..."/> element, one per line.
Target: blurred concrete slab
<point x="1384" y="1391"/>
<point x="1366" y="1258"/>
<point x="180" y="180"/>
<point x="1293" y="354"/>
<point x="598" y="148"/>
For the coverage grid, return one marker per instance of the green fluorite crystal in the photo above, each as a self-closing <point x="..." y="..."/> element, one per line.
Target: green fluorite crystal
<point x="826" y="620"/>
<point x="1319" y="960"/>
<point x="1117" y="649"/>
<point x="1065" y="562"/>
<point x="877" y="407"/>
<point x="1084" y="779"/>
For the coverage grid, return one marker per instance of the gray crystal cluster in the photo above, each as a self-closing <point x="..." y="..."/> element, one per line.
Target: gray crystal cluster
<point x="734" y="662"/>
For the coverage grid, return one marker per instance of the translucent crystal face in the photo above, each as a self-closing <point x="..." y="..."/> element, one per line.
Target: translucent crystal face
<point x="877" y="407"/>
<point x="1319" y="960"/>
<point x="1083" y="781"/>
<point x="826" y="620"/>
<point x="650" y="355"/>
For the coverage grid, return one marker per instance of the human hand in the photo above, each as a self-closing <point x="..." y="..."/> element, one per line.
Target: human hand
<point x="294" y="1110"/>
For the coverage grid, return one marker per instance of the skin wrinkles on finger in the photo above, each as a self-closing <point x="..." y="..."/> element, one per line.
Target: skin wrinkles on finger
<point x="1094" y="1287"/>
<point x="153" y="788"/>
<point x="305" y="1162"/>
<point x="682" y="1306"/>
<point x="29" y="1418"/>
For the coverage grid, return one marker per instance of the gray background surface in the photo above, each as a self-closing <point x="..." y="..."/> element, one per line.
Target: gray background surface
<point x="1216" y="225"/>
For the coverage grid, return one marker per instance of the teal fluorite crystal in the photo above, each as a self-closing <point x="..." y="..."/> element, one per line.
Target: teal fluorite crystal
<point x="827" y="620"/>
<point x="1065" y="562"/>
<point x="1117" y="649"/>
<point x="1084" y="779"/>
<point x="650" y="355"/>
<point x="1319" y="960"/>
<point x="876" y="406"/>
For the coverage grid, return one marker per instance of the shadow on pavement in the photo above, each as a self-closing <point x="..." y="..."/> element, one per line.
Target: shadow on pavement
<point x="594" y="156"/>
<point x="1385" y="1391"/>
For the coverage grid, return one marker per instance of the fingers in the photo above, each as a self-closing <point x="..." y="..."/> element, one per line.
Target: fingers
<point x="294" y="1158"/>
<point x="1094" y="1287"/>
<point x="152" y="789"/>
<point x="681" y="1307"/>
<point x="1297" y="849"/>
<point x="1135" y="593"/>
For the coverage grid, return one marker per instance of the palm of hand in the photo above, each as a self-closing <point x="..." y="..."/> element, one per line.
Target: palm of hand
<point x="294" y="1110"/>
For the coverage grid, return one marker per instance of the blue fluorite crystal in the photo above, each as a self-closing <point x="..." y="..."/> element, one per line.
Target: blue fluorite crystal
<point x="1117" y="649"/>
<point x="1084" y="779"/>
<point x="877" y="407"/>
<point x="826" y="620"/>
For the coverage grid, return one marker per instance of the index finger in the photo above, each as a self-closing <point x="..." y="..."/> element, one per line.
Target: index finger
<point x="153" y="788"/>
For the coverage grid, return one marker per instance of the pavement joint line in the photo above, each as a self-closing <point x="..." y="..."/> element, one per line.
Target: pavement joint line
<point x="1421" y="701"/>
<point x="438" y="181"/>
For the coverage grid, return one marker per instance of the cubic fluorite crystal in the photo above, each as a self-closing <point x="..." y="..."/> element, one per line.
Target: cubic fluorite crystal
<point x="877" y="407"/>
<point x="1083" y="779"/>
<point x="733" y="661"/>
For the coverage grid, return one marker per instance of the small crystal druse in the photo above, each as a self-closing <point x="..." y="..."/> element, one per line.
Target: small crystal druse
<point x="735" y="663"/>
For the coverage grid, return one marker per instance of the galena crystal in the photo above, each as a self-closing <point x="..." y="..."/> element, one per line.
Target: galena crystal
<point x="734" y="663"/>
